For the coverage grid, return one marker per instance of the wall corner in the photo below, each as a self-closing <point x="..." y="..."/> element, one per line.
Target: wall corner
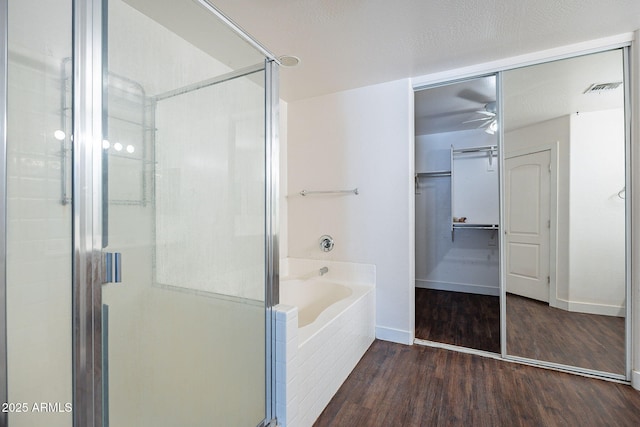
<point x="634" y="336"/>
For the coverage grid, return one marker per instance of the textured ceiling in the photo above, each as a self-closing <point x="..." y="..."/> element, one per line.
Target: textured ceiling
<point x="531" y="94"/>
<point x="545" y="91"/>
<point x="345" y="44"/>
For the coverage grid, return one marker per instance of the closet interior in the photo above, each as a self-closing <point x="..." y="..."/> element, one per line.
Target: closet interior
<point x="457" y="215"/>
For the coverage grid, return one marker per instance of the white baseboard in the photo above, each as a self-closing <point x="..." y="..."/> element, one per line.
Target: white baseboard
<point x="394" y="335"/>
<point x="635" y="379"/>
<point x="458" y="287"/>
<point x="590" y="308"/>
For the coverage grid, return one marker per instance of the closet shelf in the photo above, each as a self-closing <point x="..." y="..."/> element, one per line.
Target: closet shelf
<point x="433" y="173"/>
<point x="490" y="148"/>
<point x="464" y="226"/>
<point x="475" y="226"/>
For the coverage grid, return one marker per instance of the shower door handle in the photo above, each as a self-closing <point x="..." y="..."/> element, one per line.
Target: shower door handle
<point x="108" y="267"/>
<point x="113" y="267"/>
<point x="117" y="267"/>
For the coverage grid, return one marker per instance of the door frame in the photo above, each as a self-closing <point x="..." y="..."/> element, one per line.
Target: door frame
<point x="4" y="63"/>
<point x="628" y="42"/>
<point x="89" y="270"/>
<point x="553" y="215"/>
<point x="89" y="55"/>
<point x="87" y="263"/>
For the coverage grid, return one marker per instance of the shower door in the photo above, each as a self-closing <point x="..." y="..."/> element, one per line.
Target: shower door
<point x="183" y="319"/>
<point x="139" y="241"/>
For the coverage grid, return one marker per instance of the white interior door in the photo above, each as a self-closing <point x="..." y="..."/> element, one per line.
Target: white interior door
<point x="527" y="205"/>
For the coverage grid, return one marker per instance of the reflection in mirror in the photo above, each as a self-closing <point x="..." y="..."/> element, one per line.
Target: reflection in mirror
<point x="564" y="212"/>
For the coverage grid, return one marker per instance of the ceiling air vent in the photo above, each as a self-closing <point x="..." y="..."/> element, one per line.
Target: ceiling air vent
<point x="602" y="87"/>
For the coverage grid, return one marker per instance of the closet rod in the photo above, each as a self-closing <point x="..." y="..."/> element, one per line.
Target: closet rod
<point x="434" y="174"/>
<point x="475" y="149"/>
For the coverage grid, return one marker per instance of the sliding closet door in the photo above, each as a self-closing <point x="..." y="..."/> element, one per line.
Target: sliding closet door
<point x="566" y="246"/>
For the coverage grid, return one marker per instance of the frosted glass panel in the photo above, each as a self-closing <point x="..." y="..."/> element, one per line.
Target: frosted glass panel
<point x="185" y="164"/>
<point x="210" y="190"/>
<point x="38" y="219"/>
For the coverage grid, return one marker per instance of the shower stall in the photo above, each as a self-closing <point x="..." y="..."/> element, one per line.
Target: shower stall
<point x="139" y="238"/>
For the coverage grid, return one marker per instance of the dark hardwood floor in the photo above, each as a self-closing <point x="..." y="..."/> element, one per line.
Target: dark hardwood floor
<point x="538" y="331"/>
<point x="534" y="329"/>
<point x="466" y="320"/>
<point x="399" y="385"/>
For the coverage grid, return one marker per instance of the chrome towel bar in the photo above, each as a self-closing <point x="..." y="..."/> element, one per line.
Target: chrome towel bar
<point x="306" y="192"/>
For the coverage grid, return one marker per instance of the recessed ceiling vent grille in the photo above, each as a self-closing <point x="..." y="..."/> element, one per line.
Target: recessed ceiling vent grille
<point x="602" y="87"/>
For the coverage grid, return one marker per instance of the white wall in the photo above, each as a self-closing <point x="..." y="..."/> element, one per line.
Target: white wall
<point x="283" y="232"/>
<point x="358" y="138"/>
<point x="597" y="230"/>
<point x="469" y="262"/>
<point x="635" y="209"/>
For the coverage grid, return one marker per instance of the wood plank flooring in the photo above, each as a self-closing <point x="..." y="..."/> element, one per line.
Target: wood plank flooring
<point x="466" y="320"/>
<point x="538" y="331"/>
<point x="534" y="329"/>
<point x="399" y="385"/>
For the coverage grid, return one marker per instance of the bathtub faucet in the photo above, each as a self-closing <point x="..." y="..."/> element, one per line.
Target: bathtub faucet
<point x="324" y="270"/>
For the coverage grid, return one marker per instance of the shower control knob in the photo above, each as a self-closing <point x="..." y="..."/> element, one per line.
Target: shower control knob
<point x="326" y="243"/>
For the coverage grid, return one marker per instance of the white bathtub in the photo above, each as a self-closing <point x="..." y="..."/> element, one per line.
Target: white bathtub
<point x="323" y="327"/>
<point x="312" y="297"/>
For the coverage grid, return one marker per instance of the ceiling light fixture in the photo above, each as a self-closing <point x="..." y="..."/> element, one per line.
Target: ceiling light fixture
<point x="289" y="61"/>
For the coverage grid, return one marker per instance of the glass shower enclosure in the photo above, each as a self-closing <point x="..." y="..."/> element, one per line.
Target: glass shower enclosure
<point x="139" y="248"/>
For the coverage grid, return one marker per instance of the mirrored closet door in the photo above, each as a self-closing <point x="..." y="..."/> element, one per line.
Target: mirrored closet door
<point x="565" y="210"/>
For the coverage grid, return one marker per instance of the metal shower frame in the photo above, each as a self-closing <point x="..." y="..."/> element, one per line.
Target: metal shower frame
<point x="89" y="25"/>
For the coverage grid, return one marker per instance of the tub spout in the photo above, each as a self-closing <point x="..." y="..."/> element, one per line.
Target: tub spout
<point x="324" y="270"/>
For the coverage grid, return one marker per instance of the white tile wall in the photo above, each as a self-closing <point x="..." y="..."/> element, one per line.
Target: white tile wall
<point x="38" y="235"/>
<point x="286" y="364"/>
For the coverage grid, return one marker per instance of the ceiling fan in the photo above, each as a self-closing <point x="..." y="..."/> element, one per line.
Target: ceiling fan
<point x="488" y="119"/>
